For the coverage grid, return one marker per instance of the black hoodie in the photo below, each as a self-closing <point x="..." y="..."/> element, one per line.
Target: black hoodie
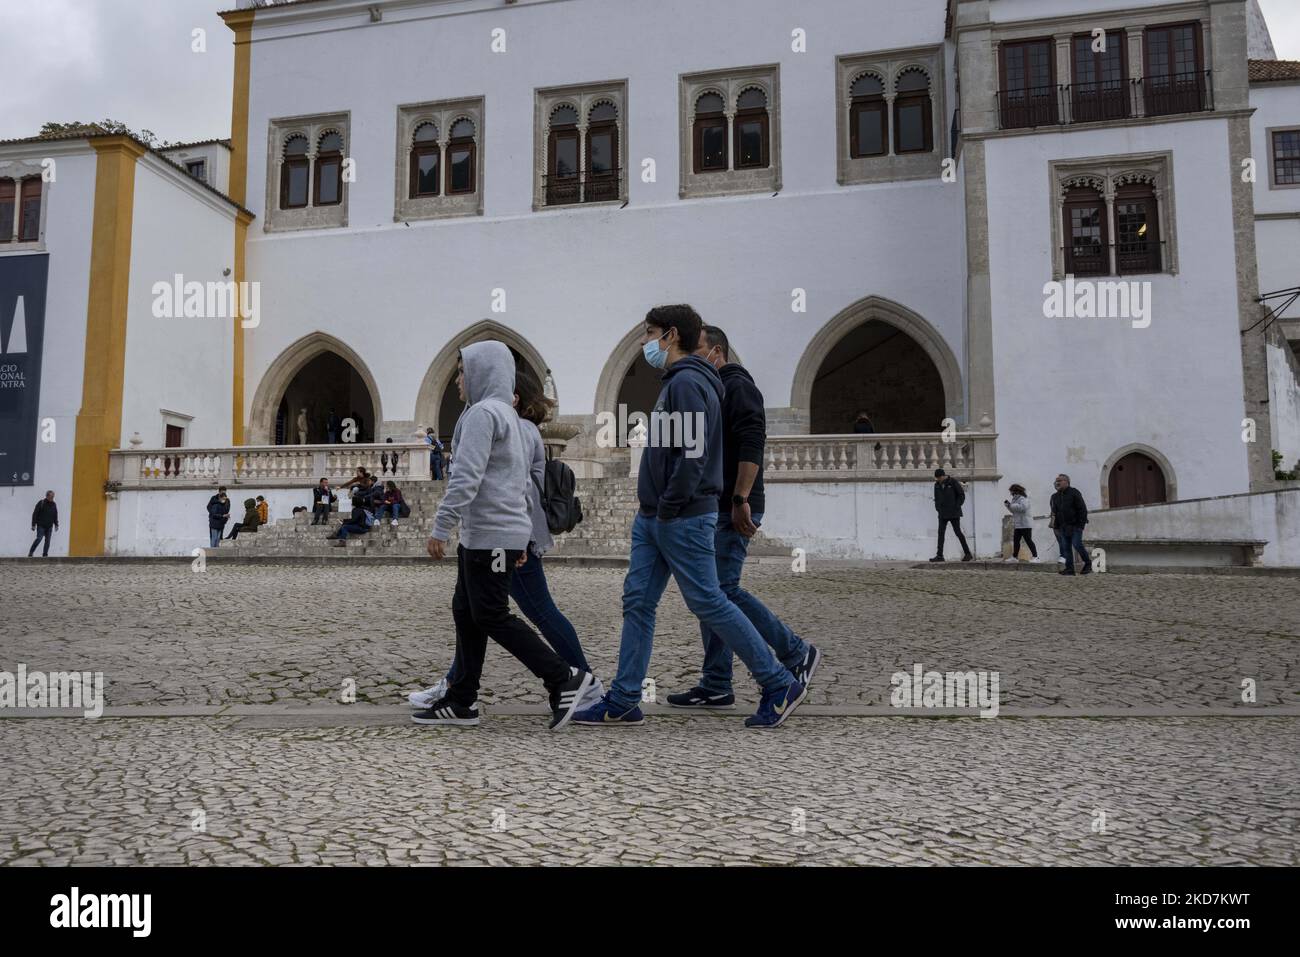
<point x="671" y="483"/>
<point x="744" y="434"/>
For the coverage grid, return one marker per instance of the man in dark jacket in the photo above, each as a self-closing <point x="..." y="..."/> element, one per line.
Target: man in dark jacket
<point x="1069" y="516"/>
<point x="678" y="487"/>
<point x="740" y="512"/>
<point x="322" y="497"/>
<point x="218" y="515"/>
<point x="948" y="499"/>
<point x="44" y="517"/>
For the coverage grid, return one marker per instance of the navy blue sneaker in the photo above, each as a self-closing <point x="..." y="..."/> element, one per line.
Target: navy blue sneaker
<point x="776" y="706"/>
<point x="697" y="697"/>
<point x="803" y="672"/>
<point x="604" y="713"/>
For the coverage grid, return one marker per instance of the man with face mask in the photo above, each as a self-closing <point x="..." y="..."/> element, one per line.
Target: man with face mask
<point x="740" y="512"/>
<point x="678" y="487"/>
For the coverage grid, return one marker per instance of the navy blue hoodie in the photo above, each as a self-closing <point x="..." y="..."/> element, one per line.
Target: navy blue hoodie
<point x="672" y="484"/>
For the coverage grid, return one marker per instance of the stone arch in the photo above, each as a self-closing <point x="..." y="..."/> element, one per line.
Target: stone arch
<point x="1171" y="481"/>
<point x="916" y="328"/>
<point x="428" y="401"/>
<point x="628" y="351"/>
<point x="276" y="379"/>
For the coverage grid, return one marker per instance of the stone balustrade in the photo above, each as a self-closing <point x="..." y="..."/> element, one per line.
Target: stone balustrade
<point x="879" y="457"/>
<point x="268" y="465"/>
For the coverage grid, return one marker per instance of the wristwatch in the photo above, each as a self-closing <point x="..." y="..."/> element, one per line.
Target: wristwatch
<point x="738" y="500"/>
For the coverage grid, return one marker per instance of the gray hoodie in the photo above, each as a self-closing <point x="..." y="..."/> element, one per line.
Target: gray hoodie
<point x="1019" y="508"/>
<point x="487" y="489"/>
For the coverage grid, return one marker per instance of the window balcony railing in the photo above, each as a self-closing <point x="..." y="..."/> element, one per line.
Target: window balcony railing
<point x="1178" y="93"/>
<point x="1105" y="100"/>
<point x="1129" y="259"/>
<point x="589" y="187"/>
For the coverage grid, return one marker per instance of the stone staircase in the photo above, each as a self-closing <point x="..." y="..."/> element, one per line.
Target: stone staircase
<point x="608" y="507"/>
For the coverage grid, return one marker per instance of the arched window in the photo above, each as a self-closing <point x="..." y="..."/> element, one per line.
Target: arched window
<point x="750" y="130"/>
<point x="424" y="161"/>
<point x="1087" y="252"/>
<point x="602" y="153"/>
<point x="868" y="118"/>
<point x="329" y="170"/>
<point x="294" y="173"/>
<point x="710" y="134"/>
<point x="7" y="198"/>
<point x="912" y="113"/>
<point x="460" y="157"/>
<point x="562" y="157"/>
<point x="1137" y="230"/>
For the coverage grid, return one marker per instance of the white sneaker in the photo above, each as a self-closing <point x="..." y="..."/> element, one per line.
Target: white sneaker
<point x="1035" y="560"/>
<point x="1010" y="561"/>
<point x="421" y="700"/>
<point x="393" y="523"/>
<point x="595" y="692"/>
<point x="1060" y="561"/>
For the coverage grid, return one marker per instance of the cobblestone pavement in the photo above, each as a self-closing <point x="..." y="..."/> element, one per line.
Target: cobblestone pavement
<point x="164" y="635"/>
<point x="325" y="783"/>
<point x="678" y="790"/>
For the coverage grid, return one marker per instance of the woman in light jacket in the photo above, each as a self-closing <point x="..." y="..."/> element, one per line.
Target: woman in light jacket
<point x="1022" y="523"/>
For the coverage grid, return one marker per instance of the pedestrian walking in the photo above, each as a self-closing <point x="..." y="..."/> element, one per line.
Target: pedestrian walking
<point x="1022" y="523"/>
<point x="948" y="499"/>
<point x="673" y="532"/>
<point x="528" y="586"/>
<point x="741" y="506"/>
<point x="1069" y="516"/>
<point x="45" y="517"/>
<point x="435" y="454"/>
<point x="487" y="496"/>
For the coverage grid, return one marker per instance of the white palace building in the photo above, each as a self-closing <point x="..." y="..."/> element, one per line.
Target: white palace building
<point x="871" y="197"/>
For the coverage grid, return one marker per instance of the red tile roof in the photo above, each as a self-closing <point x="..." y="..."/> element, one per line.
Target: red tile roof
<point x="1274" y="71"/>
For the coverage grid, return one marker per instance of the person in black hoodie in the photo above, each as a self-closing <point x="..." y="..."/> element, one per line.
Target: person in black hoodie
<point x="948" y="499"/>
<point x="44" y="517"/>
<point x="218" y="516"/>
<point x="740" y="512"/>
<point x="678" y="486"/>
<point x="1069" y="516"/>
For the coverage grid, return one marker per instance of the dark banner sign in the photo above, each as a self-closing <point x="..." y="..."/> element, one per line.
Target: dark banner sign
<point x="22" y="334"/>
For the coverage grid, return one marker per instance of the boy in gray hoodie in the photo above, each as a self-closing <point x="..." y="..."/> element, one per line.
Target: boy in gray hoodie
<point x="487" y="494"/>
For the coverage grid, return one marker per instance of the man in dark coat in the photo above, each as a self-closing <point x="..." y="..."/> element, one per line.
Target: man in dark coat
<point x="44" y="517"/>
<point x="322" y="497"/>
<point x="1069" y="516"/>
<point x="948" y="499"/>
<point x="218" y="515"/>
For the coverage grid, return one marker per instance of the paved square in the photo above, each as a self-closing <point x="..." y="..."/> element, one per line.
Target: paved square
<point x="1123" y="736"/>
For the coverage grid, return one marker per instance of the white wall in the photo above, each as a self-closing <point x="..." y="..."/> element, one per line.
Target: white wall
<point x="68" y="218"/>
<point x="879" y="520"/>
<point x="175" y="521"/>
<point x="1070" y="392"/>
<point x="1275" y="104"/>
<point x="578" y="279"/>
<point x="1270" y="516"/>
<point x="1284" y="404"/>
<point x="179" y="364"/>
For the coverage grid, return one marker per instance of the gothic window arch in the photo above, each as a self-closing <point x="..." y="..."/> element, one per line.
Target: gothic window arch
<point x="439" y="159"/>
<point x="889" y="115"/>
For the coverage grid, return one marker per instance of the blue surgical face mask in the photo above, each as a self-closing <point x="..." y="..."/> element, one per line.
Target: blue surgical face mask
<point x="655" y="354"/>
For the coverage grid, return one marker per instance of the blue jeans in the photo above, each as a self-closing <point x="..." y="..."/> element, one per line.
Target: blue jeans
<point x="435" y="465"/>
<point x="533" y="596"/>
<point x="731" y="548"/>
<point x="391" y="508"/>
<point x="1069" y="541"/>
<point x="351" y="529"/>
<point x="214" y="537"/>
<point x="682" y="547"/>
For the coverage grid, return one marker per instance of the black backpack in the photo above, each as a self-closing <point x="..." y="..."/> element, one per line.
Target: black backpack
<point x="563" y="509"/>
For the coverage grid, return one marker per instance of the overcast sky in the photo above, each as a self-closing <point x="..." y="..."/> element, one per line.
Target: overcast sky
<point x="131" y="60"/>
